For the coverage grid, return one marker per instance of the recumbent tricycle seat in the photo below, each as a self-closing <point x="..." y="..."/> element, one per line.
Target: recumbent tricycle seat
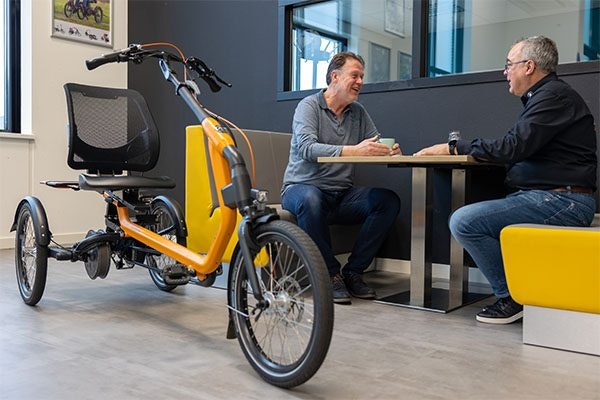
<point x="111" y="131"/>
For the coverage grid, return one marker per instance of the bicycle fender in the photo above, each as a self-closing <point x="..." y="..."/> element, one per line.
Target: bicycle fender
<point x="40" y="221"/>
<point x="175" y="208"/>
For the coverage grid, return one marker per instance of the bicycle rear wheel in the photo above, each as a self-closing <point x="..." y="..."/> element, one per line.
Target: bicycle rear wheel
<point x="287" y="342"/>
<point x="169" y="226"/>
<point x="31" y="258"/>
<point x="69" y="8"/>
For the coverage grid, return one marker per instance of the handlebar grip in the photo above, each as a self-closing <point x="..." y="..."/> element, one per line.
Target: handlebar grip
<point x="214" y="86"/>
<point x="104" y="59"/>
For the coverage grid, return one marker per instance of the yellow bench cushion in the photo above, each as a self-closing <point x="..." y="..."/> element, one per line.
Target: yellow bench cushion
<point x="554" y="267"/>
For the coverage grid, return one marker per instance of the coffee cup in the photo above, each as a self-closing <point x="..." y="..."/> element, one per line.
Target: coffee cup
<point x="389" y="142"/>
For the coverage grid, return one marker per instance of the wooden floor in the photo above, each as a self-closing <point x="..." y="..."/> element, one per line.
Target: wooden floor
<point x="121" y="338"/>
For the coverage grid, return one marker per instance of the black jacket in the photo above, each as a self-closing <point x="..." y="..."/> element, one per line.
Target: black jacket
<point x="552" y="144"/>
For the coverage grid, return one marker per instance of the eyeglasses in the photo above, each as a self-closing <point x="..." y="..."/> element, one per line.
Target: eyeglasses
<point x="509" y="64"/>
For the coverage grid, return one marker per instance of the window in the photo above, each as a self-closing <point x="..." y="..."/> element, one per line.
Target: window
<point x="378" y="30"/>
<point x="317" y="34"/>
<point x="405" y="39"/>
<point x="591" y="30"/>
<point x="446" y="22"/>
<point x="475" y="35"/>
<point x="10" y="101"/>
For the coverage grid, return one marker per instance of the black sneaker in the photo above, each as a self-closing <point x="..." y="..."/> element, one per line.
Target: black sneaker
<point x="340" y="293"/>
<point x="503" y="311"/>
<point x="357" y="287"/>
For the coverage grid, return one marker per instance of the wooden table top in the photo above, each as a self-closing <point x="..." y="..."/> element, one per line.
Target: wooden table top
<point x="403" y="160"/>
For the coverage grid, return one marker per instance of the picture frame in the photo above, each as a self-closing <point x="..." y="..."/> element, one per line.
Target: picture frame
<point x="404" y="66"/>
<point x="379" y="63"/>
<point x="92" y="25"/>
<point x="394" y="17"/>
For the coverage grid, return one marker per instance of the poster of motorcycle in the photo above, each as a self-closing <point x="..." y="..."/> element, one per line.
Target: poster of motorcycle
<point x="86" y="21"/>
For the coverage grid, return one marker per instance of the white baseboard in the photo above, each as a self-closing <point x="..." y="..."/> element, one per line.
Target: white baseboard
<point x="64" y="239"/>
<point x="440" y="271"/>
<point x="7" y="242"/>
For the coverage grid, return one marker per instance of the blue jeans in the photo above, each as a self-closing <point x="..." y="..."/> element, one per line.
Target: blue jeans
<point x="315" y="210"/>
<point x="477" y="226"/>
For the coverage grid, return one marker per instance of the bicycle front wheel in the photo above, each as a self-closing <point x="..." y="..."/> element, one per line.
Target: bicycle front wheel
<point x="287" y="341"/>
<point x="98" y="15"/>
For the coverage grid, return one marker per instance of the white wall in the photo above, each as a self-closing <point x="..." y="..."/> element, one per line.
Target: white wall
<point x="40" y="153"/>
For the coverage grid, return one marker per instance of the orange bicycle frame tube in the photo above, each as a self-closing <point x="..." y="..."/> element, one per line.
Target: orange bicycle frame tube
<point x="202" y="264"/>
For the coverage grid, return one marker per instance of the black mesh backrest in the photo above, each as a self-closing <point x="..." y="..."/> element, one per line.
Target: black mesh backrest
<point x="110" y="130"/>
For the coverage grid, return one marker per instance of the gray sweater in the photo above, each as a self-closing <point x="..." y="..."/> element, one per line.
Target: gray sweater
<point x="316" y="132"/>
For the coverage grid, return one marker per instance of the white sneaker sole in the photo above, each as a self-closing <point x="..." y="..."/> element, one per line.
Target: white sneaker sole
<point x="342" y="301"/>
<point x="500" y="321"/>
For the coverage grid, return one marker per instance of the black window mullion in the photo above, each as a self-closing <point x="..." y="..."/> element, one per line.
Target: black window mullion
<point x="12" y="66"/>
<point x="419" y="39"/>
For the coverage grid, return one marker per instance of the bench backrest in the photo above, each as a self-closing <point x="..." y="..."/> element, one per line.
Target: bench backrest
<point x="271" y="153"/>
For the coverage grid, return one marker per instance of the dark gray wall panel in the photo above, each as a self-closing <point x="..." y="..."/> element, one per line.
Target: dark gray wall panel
<point x="239" y="40"/>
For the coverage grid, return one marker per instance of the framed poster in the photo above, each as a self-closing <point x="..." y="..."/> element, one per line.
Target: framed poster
<point x="88" y="21"/>
<point x="379" y="63"/>
<point x="394" y="17"/>
<point x="404" y="66"/>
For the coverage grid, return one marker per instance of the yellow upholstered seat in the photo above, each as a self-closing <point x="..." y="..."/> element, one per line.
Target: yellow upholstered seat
<point x="553" y="267"/>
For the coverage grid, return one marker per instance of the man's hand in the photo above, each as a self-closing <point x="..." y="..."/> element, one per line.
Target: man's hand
<point x="370" y="147"/>
<point x="435" y="150"/>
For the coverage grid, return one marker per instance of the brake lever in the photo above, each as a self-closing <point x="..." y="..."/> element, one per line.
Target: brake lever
<point x="204" y="72"/>
<point x="222" y="81"/>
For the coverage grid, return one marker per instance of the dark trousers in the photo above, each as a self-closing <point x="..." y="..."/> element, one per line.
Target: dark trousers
<point x="376" y="209"/>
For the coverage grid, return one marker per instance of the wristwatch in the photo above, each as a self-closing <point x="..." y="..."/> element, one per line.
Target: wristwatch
<point x="452" y="139"/>
<point x="452" y="147"/>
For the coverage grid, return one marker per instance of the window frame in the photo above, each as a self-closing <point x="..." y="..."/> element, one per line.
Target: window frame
<point x="12" y="64"/>
<point x="420" y="61"/>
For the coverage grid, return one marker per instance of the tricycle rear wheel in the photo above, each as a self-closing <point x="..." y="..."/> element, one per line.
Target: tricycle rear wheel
<point x="168" y="225"/>
<point x="31" y="258"/>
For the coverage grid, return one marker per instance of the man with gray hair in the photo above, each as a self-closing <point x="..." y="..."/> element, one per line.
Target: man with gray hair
<point x="331" y="123"/>
<point x="551" y="160"/>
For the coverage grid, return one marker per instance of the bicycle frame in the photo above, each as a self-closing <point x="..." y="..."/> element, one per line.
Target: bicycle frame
<point x="230" y="174"/>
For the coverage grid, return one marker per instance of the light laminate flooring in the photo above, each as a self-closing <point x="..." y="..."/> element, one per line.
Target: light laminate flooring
<point x="121" y="338"/>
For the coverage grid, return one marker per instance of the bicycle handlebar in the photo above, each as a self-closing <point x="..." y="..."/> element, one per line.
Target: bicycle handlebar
<point x="137" y="54"/>
<point x="105" y="59"/>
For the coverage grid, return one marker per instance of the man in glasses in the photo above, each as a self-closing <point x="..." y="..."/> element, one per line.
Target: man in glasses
<point x="551" y="160"/>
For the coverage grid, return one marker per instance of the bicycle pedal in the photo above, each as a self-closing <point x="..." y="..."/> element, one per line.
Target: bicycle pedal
<point x="176" y="274"/>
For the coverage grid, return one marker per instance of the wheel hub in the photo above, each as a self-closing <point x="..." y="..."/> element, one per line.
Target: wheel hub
<point x="283" y="303"/>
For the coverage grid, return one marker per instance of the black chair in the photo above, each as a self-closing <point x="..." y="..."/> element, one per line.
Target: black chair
<point x="111" y="131"/>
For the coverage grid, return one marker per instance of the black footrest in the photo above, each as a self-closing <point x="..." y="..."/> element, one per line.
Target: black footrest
<point x="176" y="274"/>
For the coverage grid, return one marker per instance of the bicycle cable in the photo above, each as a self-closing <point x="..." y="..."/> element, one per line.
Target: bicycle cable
<point x="214" y="115"/>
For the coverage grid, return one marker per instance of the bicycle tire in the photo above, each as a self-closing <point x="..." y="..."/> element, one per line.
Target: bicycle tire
<point x="299" y="322"/>
<point x="165" y="218"/>
<point x="31" y="258"/>
<point x="69" y="8"/>
<point x="81" y="13"/>
<point x="98" y="14"/>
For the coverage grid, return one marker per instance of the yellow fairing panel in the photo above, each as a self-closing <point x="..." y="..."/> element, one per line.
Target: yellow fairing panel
<point x="202" y="217"/>
<point x="553" y="267"/>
